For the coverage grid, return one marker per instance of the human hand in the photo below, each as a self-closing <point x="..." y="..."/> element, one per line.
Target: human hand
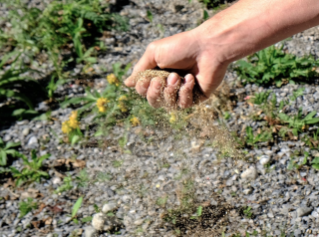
<point x="186" y="52"/>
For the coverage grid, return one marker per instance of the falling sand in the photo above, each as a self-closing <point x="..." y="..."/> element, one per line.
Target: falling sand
<point x="203" y="118"/>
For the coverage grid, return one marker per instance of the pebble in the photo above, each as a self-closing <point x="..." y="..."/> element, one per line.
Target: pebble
<point x="304" y="211"/>
<point x="89" y="231"/>
<point x="32" y="143"/>
<point x="250" y="173"/>
<point x="108" y="207"/>
<point x="264" y="159"/>
<point x="99" y="221"/>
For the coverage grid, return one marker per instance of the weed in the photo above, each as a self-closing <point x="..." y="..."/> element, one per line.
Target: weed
<point x="26" y="207"/>
<point x="297" y="93"/>
<point x="6" y="150"/>
<point x="273" y="65"/>
<point x="67" y="185"/>
<point x="75" y="209"/>
<point x="260" y="98"/>
<point x="86" y="219"/>
<point x="149" y="15"/>
<point x="263" y="136"/>
<point x="117" y="163"/>
<point x="247" y="212"/>
<point x="297" y="122"/>
<point x="161" y="201"/>
<point x="31" y="170"/>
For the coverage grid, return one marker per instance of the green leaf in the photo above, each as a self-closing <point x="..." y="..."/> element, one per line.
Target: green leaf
<point x="199" y="211"/>
<point x="315" y="166"/>
<point x="315" y="160"/>
<point x="76" y="206"/>
<point x="3" y="158"/>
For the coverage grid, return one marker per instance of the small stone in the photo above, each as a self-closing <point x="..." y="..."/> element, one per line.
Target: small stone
<point x="138" y="222"/>
<point x="264" y="159"/>
<point x="250" y="173"/>
<point x="109" y="207"/>
<point x="56" y="180"/>
<point x="247" y="191"/>
<point x="89" y="231"/>
<point x="98" y="221"/>
<point x="304" y="211"/>
<point x="33" y="142"/>
<point x="25" y="131"/>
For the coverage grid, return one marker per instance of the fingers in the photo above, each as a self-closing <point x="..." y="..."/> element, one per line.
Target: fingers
<point x="155" y="92"/>
<point x="170" y="92"/>
<point x="185" y="96"/>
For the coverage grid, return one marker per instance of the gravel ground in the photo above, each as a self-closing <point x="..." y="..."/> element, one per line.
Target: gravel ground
<point x="130" y="191"/>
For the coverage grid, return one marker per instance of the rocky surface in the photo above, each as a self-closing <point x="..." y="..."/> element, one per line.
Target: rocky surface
<point x="129" y="192"/>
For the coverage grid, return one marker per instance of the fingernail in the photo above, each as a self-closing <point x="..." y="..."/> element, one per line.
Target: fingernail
<point x="155" y="84"/>
<point x="188" y="77"/>
<point x="172" y="79"/>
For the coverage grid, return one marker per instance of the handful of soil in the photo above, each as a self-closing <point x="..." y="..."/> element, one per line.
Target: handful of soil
<point x="151" y="73"/>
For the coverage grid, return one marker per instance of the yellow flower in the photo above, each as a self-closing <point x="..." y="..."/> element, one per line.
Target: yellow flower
<point x="101" y="104"/>
<point x="122" y="97"/>
<point x="74" y="115"/>
<point x="135" y="121"/>
<point x="122" y="107"/>
<point x="111" y="78"/>
<point x="173" y="118"/>
<point x="73" y="122"/>
<point x="66" y="127"/>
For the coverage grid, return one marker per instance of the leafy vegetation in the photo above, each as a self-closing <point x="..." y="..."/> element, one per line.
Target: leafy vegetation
<point x="26" y="206"/>
<point x="63" y="34"/>
<point x="31" y="170"/>
<point x="273" y="65"/>
<point x="7" y="150"/>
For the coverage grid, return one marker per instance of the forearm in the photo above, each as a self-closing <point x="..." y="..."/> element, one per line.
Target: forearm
<point x="251" y="25"/>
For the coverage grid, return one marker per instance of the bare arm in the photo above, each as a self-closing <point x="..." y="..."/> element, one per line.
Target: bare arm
<point x="206" y="51"/>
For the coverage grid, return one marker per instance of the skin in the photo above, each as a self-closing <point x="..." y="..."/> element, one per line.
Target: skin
<point x="206" y="51"/>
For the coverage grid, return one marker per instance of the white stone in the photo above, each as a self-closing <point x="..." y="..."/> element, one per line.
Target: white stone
<point x="56" y="180"/>
<point x="25" y="131"/>
<point x="98" y="221"/>
<point x="250" y="173"/>
<point x="247" y="191"/>
<point x="138" y="222"/>
<point x="89" y="231"/>
<point x="33" y="142"/>
<point x="109" y="207"/>
<point x="264" y="159"/>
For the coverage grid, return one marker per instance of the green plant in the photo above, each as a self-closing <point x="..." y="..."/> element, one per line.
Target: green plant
<point x="263" y="136"/>
<point x="75" y="209"/>
<point x="14" y="84"/>
<point x="297" y="122"/>
<point x="297" y="93"/>
<point x="273" y="65"/>
<point x="81" y="180"/>
<point x="6" y="150"/>
<point x="293" y="164"/>
<point x="247" y="212"/>
<point x="315" y="163"/>
<point x="199" y="212"/>
<point x="260" y="98"/>
<point x="67" y="185"/>
<point x="26" y="207"/>
<point x="149" y="15"/>
<point x="31" y="170"/>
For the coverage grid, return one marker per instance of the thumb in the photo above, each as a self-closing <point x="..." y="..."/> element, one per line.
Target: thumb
<point x="209" y="79"/>
<point x="146" y="62"/>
